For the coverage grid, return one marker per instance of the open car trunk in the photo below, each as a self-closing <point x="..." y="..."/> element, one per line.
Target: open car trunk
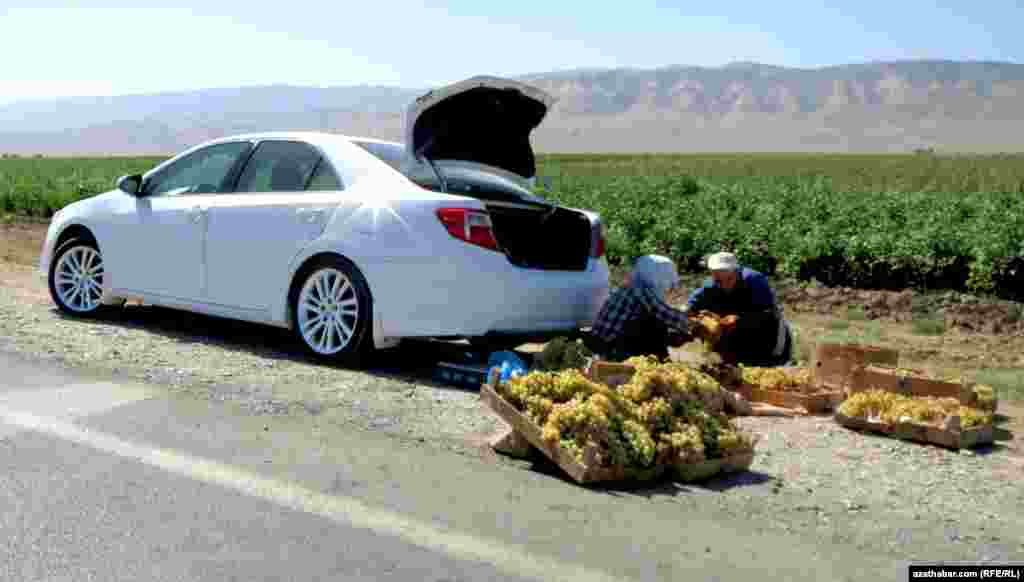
<point x="472" y="138"/>
<point x="531" y="231"/>
<point x="542" y="238"/>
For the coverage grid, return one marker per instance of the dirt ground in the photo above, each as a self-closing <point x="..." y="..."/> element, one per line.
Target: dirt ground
<point x="811" y="478"/>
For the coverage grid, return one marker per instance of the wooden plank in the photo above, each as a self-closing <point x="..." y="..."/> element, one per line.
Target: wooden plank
<point x="762" y="409"/>
<point x="949" y="438"/>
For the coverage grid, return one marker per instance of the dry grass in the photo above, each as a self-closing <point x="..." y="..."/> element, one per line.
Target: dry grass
<point x="20" y="241"/>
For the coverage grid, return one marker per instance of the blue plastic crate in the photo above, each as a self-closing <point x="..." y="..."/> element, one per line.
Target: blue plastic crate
<point x="461" y="375"/>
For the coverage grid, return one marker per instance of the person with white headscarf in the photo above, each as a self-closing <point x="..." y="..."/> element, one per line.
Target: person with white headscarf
<point x="756" y="333"/>
<point x="636" y="320"/>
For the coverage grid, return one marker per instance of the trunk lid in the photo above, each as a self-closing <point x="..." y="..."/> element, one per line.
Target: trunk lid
<point x="483" y="120"/>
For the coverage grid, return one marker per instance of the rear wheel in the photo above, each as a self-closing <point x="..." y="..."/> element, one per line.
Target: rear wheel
<point x="76" y="278"/>
<point x="332" y="311"/>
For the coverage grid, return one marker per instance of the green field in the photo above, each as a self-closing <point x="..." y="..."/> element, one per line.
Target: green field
<point x="38" y="187"/>
<point x="867" y="173"/>
<point x="873" y="221"/>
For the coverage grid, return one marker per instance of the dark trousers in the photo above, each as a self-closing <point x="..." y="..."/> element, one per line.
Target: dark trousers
<point x="644" y="336"/>
<point x="752" y="347"/>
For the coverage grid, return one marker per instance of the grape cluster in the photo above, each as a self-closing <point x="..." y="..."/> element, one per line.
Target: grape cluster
<point x="780" y="379"/>
<point x="708" y="327"/>
<point x="985" y="397"/>
<point x="889" y="407"/>
<point x="562" y="353"/>
<point x="667" y="413"/>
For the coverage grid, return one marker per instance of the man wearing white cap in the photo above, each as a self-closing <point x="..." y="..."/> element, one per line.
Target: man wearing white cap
<point x="756" y="334"/>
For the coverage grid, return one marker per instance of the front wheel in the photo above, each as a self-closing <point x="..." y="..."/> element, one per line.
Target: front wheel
<point x="76" y="278"/>
<point x="332" y="311"/>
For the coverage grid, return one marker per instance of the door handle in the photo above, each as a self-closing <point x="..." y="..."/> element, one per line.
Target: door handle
<point x="196" y="213"/>
<point x="310" y="215"/>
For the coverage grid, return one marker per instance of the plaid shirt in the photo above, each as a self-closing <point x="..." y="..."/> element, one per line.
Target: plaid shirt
<point x="627" y="303"/>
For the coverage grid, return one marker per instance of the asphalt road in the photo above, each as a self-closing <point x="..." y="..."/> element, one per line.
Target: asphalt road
<point x="111" y="481"/>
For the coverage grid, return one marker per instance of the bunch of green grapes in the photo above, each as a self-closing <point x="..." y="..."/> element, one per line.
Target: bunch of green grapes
<point x="921" y="410"/>
<point x="868" y="404"/>
<point x="671" y="381"/>
<point x="732" y="441"/>
<point x="684" y="444"/>
<point x="656" y="414"/>
<point x="640" y="446"/>
<point x="562" y="353"/>
<point x="643" y="362"/>
<point x="589" y="416"/>
<point x="972" y="417"/>
<point x="891" y="408"/>
<point x="557" y="386"/>
<point x="778" y="379"/>
<point x="985" y="396"/>
<point x="710" y="429"/>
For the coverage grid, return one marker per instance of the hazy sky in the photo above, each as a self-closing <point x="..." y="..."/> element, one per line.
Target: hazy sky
<point x="55" y="49"/>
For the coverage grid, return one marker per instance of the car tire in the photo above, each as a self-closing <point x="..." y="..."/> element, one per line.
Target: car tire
<point x="76" y="279"/>
<point x="332" y="311"/>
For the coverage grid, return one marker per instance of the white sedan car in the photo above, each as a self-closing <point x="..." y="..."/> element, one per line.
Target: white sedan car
<point x="353" y="243"/>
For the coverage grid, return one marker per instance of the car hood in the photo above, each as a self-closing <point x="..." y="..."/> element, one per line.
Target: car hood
<point x="485" y="120"/>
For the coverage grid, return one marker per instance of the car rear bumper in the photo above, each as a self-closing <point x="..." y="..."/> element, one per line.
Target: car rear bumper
<point x="486" y="298"/>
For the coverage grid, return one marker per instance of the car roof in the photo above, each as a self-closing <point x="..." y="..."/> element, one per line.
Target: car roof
<point x="322" y="137"/>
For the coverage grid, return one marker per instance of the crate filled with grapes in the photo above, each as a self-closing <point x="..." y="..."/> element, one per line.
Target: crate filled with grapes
<point x="941" y="421"/>
<point x="788" y="387"/>
<point x="666" y="419"/>
<point x="916" y="382"/>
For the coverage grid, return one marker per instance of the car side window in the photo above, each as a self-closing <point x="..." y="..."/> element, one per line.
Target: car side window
<point x="280" y="166"/>
<point x="203" y="171"/>
<point x="324" y="177"/>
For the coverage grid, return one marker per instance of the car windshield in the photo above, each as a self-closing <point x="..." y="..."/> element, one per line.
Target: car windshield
<point x="460" y="177"/>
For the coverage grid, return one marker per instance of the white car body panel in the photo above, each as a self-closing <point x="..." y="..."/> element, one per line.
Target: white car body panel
<point x="239" y="256"/>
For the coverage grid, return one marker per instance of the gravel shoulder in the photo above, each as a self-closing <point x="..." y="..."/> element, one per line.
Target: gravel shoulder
<point x="810" y="478"/>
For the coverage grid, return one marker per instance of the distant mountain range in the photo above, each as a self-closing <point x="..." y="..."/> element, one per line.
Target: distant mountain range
<point x="868" y="107"/>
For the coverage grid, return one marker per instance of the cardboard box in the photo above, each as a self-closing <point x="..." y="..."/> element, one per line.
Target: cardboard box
<point x="836" y="365"/>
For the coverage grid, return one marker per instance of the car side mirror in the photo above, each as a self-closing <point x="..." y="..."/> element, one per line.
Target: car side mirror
<point x="130" y="184"/>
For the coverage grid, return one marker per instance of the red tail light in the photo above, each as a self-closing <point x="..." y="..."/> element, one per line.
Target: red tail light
<point x="469" y="225"/>
<point x="598" y="247"/>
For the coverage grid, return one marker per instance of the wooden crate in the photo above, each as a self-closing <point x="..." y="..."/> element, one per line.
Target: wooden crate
<point x="610" y="373"/>
<point x="584" y="474"/>
<point x="891" y="380"/>
<point x="836" y="365"/>
<point x="947" y="437"/>
<point x="817" y="403"/>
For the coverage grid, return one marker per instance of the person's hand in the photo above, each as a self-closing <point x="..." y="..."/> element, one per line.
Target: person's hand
<point x="728" y="323"/>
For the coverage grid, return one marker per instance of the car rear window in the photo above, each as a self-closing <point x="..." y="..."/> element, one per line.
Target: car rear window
<point x="392" y="154"/>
